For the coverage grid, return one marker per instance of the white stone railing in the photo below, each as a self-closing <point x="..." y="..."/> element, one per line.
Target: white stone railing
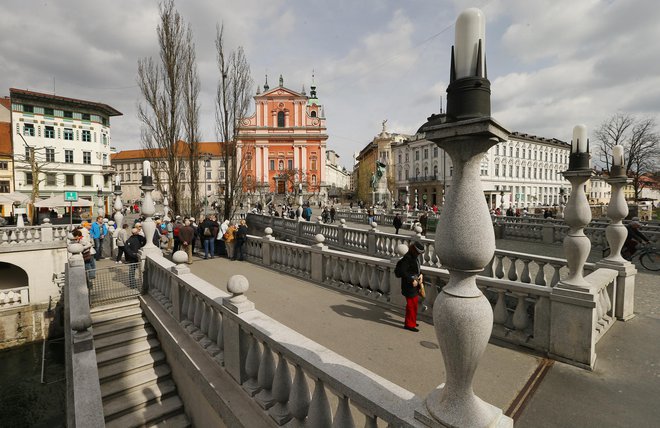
<point x="260" y="354"/>
<point x="545" y="270"/>
<point x="521" y="302"/>
<point x="13" y="297"/>
<point x="31" y="235"/>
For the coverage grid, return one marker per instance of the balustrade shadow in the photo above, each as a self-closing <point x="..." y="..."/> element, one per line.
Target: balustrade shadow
<point x="368" y="312"/>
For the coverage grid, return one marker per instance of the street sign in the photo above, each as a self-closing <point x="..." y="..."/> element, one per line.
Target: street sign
<point x="71" y="196"/>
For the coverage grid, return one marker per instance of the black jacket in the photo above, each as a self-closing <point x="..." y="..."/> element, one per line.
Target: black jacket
<point x="242" y="233"/>
<point x="397" y="222"/>
<point x="409" y="271"/>
<point x="132" y="248"/>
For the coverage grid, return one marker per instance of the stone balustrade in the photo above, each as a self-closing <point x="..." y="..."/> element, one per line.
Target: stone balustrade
<point x="275" y="365"/>
<point x="13" y="297"/>
<point x="520" y="287"/>
<point x="33" y="235"/>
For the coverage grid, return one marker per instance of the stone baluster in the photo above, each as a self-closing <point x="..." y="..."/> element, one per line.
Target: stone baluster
<point x="148" y="210"/>
<point x="539" y="279"/>
<point x="299" y="399"/>
<point x="577" y="215"/>
<point x="513" y="274"/>
<point x="320" y="414"/>
<point x="251" y="385"/>
<point x="343" y="416"/>
<point x="499" y="271"/>
<point x="556" y="273"/>
<point x="524" y="276"/>
<point x="500" y="314"/>
<point x="280" y="392"/>
<point x="355" y="278"/>
<point x="234" y="339"/>
<point x="265" y="378"/>
<point x="488" y="270"/>
<point x="520" y="318"/>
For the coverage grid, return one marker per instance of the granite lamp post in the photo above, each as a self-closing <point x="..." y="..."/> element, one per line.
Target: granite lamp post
<point x="465" y="240"/>
<point x="119" y="217"/>
<point x="166" y="205"/>
<point x="577" y="213"/>
<point x="148" y="210"/>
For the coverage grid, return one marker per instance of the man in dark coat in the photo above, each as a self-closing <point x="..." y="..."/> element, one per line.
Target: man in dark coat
<point x="410" y="280"/>
<point x="209" y="231"/>
<point x="241" y="239"/>
<point x="397" y="223"/>
<point x="131" y="254"/>
<point x="186" y="236"/>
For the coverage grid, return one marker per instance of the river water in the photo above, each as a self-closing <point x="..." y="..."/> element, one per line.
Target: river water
<point x="24" y="400"/>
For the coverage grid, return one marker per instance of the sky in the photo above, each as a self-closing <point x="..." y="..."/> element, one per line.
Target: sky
<point x="552" y="63"/>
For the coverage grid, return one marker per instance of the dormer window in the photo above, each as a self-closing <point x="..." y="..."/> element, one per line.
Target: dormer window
<point x="313" y="113"/>
<point x="280" y="119"/>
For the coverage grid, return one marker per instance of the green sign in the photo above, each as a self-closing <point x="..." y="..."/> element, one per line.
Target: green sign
<point x="71" y="196"/>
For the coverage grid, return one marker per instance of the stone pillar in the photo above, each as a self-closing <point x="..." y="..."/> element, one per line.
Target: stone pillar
<point x="180" y="258"/>
<point x="317" y="258"/>
<point x="371" y="239"/>
<point x="616" y="234"/>
<point x="148" y="209"/>
<point x="46" y="231"/>
<point x="119" y="216"/>
<point x="577" y="215"/>
<point x="236" y="340"/>
<point x="266" y="247"/>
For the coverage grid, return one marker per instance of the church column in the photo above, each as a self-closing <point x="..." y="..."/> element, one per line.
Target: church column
<point x="258" y="163"/>
<point x="258" y="110"/>
<point x="265" y="115"/>
<point x="239" y="158"/>
<point x="287" y="119"/>
<point x="304" y="157"/>
<point x="296" y="164"/>
<point x="322" y="166"/>
<point x="295" y="113"/>
<point x="266" y="179"/>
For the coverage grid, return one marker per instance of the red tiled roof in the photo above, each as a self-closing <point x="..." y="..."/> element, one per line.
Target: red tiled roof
<point x="5" y="138"/>
<point x="31" y="95"/>
<point x="211" y="148"/>
<point x="6" y="102"/>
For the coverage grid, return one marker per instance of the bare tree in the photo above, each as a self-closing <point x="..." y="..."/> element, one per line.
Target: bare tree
<point x="640" y="140"/>
<point x="191" y="119"/>
<point x="161" y="85"/>
<point x="232" y="103"/>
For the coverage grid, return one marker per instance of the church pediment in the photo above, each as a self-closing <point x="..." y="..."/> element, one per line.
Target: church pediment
<point x="279" y="92"/>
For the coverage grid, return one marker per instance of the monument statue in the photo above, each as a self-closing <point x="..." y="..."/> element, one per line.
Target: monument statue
<point x="378" y="174"/>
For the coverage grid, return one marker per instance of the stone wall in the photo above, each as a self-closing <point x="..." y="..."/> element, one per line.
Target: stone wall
<point x="25" y="324"/>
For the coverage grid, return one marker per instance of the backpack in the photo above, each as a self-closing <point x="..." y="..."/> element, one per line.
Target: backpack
<point x="398" y="269"/>
<point x="207" y="232"/>
<point x="176" y="230"/>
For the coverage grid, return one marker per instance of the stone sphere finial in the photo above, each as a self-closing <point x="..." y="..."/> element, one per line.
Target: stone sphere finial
<point x="319" y="219"/>
<point x="180" y="257"/>
<point x="342" y="221"/>
<point x="320" y="239"/>
<point x="374" y="225"/>
<point x="268" y="231"/>
<point x="402" y="249"/>
<point x="237" y="286"/>
<point x="46" y="221"/>
<point x="418" y="230"/>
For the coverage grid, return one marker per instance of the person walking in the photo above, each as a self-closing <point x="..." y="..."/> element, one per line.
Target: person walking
<point x="408" y="270"/>
<point x="333" y="212"/>
<point x="230" y="240"/>
<point x="423" y="221"/>
<point x="98" y="232"/>
<point x="241" y="239"/>
<point x="397" y="223"/>
<point x="132" y="254"/>
<point x="186" y="236"/>
<point x="209" y="230"/>
<point x="175" y="234"/>
<point x="122" y="236"/>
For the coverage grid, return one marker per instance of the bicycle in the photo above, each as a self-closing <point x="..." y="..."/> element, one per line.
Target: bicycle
<point x="648" y="256"/>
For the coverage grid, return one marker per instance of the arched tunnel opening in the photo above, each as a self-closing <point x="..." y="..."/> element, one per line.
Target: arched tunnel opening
<point x="12" y="276"/>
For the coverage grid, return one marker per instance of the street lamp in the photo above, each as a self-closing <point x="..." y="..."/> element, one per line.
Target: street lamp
<point x="99" y="195"/>
<point x="207" y="162"/>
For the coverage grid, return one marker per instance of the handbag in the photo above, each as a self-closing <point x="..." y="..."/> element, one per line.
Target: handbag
<point x="207" y="232"/>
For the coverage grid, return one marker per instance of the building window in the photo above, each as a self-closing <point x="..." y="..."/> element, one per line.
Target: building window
<point x="208" y="175"/>
<point x="497" y="170"/>
<point x="68" y="134"/>
<point x="435" y="172"/>
<point x="87" y="180"/>
<point x="406" y="157"/>
<point x="313" y="113"/>
<point x="313" y="165"/>
<point x="290" y="163"/>
<point x="50" y="155"/>
<point x="4" y="165"/>
<point x="87" y="158"/>
<point x="416" y="155"/>
<point x="104" y="138"/>
<point x="208" y="187"/>
<point x="510" y="170"/>
<point x="48" y="111"/>
<point x="426" y="153"/>
<point x="85" y="116"/>
<point x="435" y="152"/>
<point x="416" y="172"/>
<point x="51" y="179"/>
<point x="68" y="179"/>
<point x="272" y="164"/>
<point x="86" y="136"/>
<point x="28" y="179"/>
<point x="517" y="171"/>
<point x="28" y="130"/>
<point x="68" y="156"/>
<point x="314" y="180"/>
<point x="400" y="158"/>
<point x="49" y="132"/>
<point x="280" y="119"/>
<point x="27" y="153"/>
<point x="407" y="173"/>
<point x="280" y="165"/>
<point x="28" y="108"/>
<point x="4" y="186"/>
<point x="67" y="114"/>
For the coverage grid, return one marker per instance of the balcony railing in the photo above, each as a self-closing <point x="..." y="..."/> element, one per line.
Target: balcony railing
<point x="423" y="178"/>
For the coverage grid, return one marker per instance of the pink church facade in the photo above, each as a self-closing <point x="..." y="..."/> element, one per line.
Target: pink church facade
<point x="283" y="143"/>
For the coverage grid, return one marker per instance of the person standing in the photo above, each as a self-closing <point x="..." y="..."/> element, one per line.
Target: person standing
<point x="241" y="239"/>
<point x="230" y="240"/>
<point x="221" y="244"/>
<point x="397" y="223"/>
<point x="423" y="221"/>
<point x="88" y="258"/>
<point x="98" y="232"/>
<point x="209" y="230"/>
<point x="333" y="212"/>
<point x="186" y="236"/>
<point x="409" y="271"/>
<point x="132" y="253"/>
<point x="122" y="237"/>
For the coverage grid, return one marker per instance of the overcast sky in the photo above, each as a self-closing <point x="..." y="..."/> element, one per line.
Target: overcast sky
<point x="552" y="63"/>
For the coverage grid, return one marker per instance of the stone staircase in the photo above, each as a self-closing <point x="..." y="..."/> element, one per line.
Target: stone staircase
<point x="136" y="382"/>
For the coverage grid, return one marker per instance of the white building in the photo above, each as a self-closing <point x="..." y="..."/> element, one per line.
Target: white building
<point x="66" y="139"/>
<point x="524" y="171"/>
<point x="337" y="178"/>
